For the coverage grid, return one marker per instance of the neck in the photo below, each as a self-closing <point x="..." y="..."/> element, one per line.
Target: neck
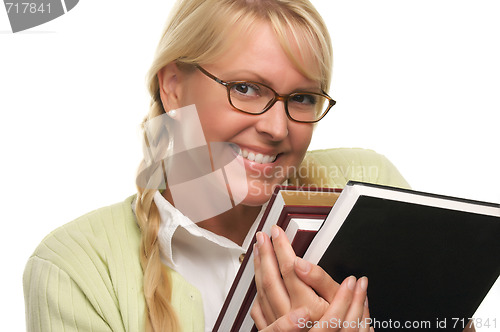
<point x="233" y="224"/>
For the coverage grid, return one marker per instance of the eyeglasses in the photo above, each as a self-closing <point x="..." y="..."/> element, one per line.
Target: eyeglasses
<point x="257" y="98"/>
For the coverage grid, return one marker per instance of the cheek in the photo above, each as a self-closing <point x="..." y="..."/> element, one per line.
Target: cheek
<point x="211" y="107"/>
<point x="300" y="137"/>
<point x="217" y="124"/>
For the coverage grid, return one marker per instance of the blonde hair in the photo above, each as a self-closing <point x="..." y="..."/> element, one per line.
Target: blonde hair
<point x="197" y="32"/>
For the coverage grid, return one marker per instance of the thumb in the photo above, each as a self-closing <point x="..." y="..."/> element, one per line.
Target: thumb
<point x="295" y="320"/>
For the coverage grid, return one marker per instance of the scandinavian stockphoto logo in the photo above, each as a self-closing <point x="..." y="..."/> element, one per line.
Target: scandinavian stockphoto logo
<point x="26" y="14"/>
<point x="205" y="179"/>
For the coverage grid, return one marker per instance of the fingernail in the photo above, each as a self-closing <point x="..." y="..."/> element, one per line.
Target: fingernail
<point x="255" y="250"/>
<point x="260" y="239"/>
<point x="303" y="265"/>
<point x="297" y="315"/>
<point x="363" y="283"/>
<point x="351" y="282"/>
<point x="275" y="232"/>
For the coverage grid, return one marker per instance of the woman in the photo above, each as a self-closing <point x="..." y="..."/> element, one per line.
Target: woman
<point x="252" y="76"/>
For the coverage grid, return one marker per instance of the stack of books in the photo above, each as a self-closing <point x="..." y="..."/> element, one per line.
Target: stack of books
<point x="430" y="259"/>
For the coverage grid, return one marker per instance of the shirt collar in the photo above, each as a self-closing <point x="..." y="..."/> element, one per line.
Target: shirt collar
<point x="171" y="219"/>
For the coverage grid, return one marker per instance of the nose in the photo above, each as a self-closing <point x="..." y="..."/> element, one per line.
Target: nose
<point x="274" y="122"/>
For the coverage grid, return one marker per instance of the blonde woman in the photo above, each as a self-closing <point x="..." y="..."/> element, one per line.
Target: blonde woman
<point x="251" y="75"/>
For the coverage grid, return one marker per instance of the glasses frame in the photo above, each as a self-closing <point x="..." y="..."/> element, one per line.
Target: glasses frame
<point x="277" y="97"/>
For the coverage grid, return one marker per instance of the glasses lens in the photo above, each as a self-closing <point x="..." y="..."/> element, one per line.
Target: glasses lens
<point x="250" y="97"/>
<point x="253" y="98"/>
<point x="307" y="106"/>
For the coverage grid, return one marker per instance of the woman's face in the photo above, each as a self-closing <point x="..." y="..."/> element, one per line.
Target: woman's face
<point x="276" y="143"/>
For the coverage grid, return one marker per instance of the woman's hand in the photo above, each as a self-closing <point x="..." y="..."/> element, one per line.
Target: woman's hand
<point x="286" y="283"/>
<point x="343" y="314"/>
<point x="279" y="289"/>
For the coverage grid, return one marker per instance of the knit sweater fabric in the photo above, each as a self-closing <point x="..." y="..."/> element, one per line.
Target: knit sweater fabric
<point x="86" y="276"/>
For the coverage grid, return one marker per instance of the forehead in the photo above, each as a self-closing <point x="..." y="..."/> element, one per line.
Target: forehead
<point x="261" y="50"/>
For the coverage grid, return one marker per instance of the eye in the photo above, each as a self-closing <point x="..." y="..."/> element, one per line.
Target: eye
<point x="305" y="99"/>
<point x="245" y="89"/>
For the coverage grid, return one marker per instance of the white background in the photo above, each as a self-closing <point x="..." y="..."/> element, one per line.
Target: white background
<point x="417" y="81"/>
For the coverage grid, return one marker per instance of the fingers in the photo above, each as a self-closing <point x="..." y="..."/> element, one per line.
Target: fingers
<point x="272" y="294"/>
<point x="286" y="260"/>
<point x="316" y="278"/>
<point x="300" y="293"/>
<point x="293" y="321"/>
<point x="358" y="307"/>
<point x="342" y="301"/>
<point x="365" y="319"/>
<point x="347" y="308"/>
<point x="258" y="316"/>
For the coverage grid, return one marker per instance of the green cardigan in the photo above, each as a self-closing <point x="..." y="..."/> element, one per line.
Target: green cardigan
<point x="86" y="276"/>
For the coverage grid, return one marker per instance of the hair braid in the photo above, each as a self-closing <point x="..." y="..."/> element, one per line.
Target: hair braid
<point x="157" y="285"/>
<point x="160" y="315"/>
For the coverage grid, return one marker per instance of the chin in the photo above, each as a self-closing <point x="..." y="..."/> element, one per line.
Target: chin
<point x="259" y="193"/>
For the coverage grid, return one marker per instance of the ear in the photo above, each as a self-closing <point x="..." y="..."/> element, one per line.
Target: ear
<point x="169" y="81"/>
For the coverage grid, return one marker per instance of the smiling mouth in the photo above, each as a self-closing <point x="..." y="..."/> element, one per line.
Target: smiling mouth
<point x="258" y="158"/>
<point x="253" y="156"/>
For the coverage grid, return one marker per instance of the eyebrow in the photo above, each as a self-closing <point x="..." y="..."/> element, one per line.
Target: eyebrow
<point x="261" y="79"/>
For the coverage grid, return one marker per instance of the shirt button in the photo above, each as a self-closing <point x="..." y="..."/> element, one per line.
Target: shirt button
<point x="242" y="257"/>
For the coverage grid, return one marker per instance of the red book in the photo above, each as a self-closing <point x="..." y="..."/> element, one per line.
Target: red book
<point x="294" y="206"/>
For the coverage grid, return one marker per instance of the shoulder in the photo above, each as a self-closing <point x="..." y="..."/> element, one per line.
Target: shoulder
<point x="335" y="167"/>
<point x="92" y="264"/>
<point x="98" y="236"/>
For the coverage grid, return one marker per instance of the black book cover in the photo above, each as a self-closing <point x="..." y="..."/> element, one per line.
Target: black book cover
<point x="425" y="265"/>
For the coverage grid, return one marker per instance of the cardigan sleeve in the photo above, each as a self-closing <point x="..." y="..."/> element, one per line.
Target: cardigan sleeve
<point x="54" y="302"/>
<point x="86" y="276"/>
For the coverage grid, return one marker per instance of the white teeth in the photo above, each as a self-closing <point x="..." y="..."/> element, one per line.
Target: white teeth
<point x="258" y="158"/>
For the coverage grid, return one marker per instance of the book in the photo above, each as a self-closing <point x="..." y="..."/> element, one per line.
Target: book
<point x="430" y="259"/>
<point x="286" y="204"/>
<point x="301" y="231"/>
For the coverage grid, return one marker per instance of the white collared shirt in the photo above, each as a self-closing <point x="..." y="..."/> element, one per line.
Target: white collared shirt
<point x="206" y="260"/>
